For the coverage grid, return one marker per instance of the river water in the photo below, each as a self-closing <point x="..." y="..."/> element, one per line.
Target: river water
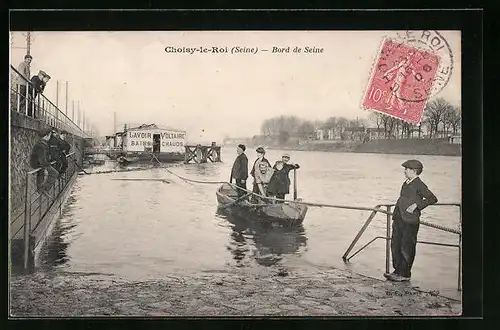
<point x="150" y="229"/>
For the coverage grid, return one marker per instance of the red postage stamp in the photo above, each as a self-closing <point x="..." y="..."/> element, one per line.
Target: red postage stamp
<point x="401" y="81"/>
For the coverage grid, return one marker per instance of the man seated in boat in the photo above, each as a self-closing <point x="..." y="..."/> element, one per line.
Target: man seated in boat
<point x="287" y="167"/>
<point x="279" y="184"/>
<point x="262" y="178"/>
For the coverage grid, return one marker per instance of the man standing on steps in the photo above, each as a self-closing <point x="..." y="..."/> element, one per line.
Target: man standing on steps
<point x="24" y="70"/>
<point x="239" y="171"/>
<point x="39" y="158"/>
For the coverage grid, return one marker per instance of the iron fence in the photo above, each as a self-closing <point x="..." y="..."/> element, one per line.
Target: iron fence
<point x="37" y="205"/>
<point x="379" y="208"/>
<point x="25" y="99"/>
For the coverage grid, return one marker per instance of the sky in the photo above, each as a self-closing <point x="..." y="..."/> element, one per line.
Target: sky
<point x="211" y="95"/>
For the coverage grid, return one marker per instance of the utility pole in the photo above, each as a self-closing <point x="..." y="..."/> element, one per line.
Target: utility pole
<point x="73" y="111"/>
<point x="28" y="43"/>
<point x="57" y="93"/>
<point x="114" y="123"/>
<point x="79" y="113"/>
<point x="66" y="108"/>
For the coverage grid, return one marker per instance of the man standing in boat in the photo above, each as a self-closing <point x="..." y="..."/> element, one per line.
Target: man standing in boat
<point x="287" y="167"/>
<point x="255" y="168"/>
<point x="239" y="172"/>
<point x="414" y="197"/>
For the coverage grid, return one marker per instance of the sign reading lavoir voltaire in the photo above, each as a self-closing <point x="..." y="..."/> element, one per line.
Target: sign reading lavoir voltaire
<point x="170" y="141"/>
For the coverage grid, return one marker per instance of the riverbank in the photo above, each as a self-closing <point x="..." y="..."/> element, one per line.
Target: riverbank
<point x="438" y="147"/>
<point x="269" y="293"/>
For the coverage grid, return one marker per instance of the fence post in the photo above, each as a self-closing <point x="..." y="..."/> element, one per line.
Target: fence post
<point x="388" y="241"/>
<point x="26" y="99"/>
<point x="18" y="97"/>
<point x="27" y="222"/>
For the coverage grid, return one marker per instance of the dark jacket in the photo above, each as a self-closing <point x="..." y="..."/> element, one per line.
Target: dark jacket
<point x="38" y="84"/>
<point x="287" y="168"/>
<point x="40" y="155"/>
<point x="415" y="192"/>
<point x="252" y="172"/>
<point x="240" y="168"/>
<point x="58" y="148"/>
<point x="279" y="183"/>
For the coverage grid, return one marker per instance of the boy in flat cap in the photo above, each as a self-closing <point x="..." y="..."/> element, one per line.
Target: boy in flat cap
<point x="40" y="158"/>
<point x="414" y="197"/>
<point x="239" y="172"/>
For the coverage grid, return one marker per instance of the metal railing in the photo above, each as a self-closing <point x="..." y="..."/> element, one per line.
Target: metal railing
<point x="37" y="205"/>
<point x="387" y="211"/>
<point x="24" y="101"/>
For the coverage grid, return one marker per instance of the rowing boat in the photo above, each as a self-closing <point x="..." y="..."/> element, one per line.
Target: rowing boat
<point x="288" y="214"/>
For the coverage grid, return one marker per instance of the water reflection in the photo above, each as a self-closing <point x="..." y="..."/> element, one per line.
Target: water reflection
<point x="55" y="250"/>
<point x="206" y="169"/>
<point x="270" y="243"/>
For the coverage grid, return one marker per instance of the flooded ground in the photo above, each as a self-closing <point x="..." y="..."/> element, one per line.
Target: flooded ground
<point x="153" y="231"/>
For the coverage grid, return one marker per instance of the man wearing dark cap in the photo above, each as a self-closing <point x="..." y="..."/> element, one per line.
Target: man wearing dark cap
<point x="38" y="83"/>
<point x="414" y="197"/>
<point x="239" y="171"/>
<point x="256" y="168"/>
<point x="39" y="158"/>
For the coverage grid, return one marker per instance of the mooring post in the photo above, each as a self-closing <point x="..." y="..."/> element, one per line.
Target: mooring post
<point x="388" y="241"/>
<point x="27" y="222"/>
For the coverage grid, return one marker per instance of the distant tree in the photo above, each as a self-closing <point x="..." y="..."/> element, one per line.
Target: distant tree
<point x="306" y="129"/>
<point x="434" y="113"/>
<point x="455" y="119"/>
<point x="376" y="118"/>
<point x="284" y="137"/>
<point x="341" y="124"/>
<point x="330" y="123"/>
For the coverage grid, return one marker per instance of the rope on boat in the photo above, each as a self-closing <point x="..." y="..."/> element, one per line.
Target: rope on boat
<point x="124" y="170"/>
<point x="347" y="207"/>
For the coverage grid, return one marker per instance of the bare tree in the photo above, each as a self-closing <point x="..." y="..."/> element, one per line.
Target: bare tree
<point x="454" y="119"/>
<point x="434" y="112"/>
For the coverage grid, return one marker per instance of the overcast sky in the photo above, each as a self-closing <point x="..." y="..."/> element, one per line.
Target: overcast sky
<point x="130" y="73"/>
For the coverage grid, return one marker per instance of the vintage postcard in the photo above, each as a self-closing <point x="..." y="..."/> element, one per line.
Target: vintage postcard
<point x="235" y="173"/>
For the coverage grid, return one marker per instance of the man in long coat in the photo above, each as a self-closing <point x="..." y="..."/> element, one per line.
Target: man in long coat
<point x="239" y="172"/>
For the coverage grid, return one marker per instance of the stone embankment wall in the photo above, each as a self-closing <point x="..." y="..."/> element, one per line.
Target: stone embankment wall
<point x="23" y="136"/>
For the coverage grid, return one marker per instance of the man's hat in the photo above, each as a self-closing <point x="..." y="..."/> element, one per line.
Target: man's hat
<point x="413" y="164"/>
<point x="242" y="147"/>
<point x="28" y="56"/>
<point x="260" y="150"/>
<point x="63" y="132"/>
<point x="44" y="131"/>
<point x="286" y="155"/>
<point x="43" y="73"/>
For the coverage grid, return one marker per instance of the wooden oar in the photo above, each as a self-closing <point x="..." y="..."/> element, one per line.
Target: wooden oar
<point x="236" y="200"/>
